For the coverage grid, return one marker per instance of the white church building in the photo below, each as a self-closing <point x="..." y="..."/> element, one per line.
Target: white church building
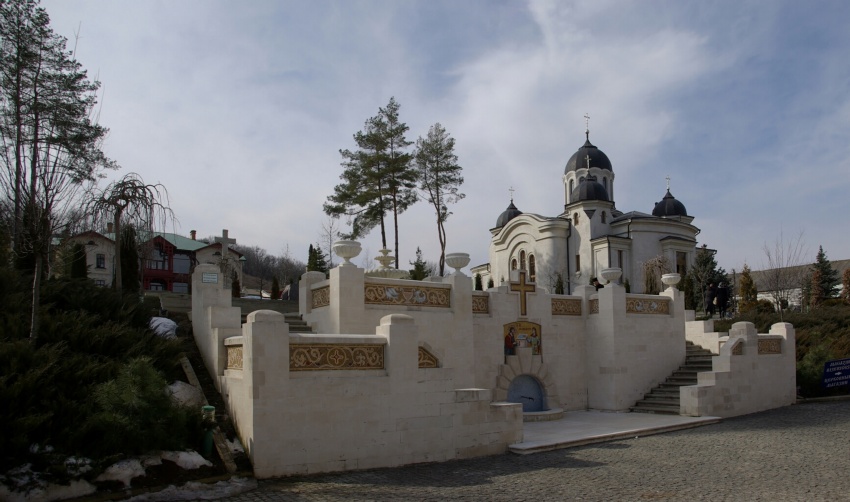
<point x="590" y="234"/>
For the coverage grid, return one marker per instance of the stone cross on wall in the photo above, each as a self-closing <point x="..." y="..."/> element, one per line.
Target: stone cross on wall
<point x="523" y="288"/>
<point x="225" y="243"/>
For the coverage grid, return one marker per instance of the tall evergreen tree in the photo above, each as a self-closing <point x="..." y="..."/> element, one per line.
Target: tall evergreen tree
<point x="747" y="290"/>
<point x="827" y="280"/>
<point x="704" y="272"/>
<point x="377" y="177"/>
<point x="420" y="268"/>
<point x="316" y="261"/>
<point x="439" y="177"/>
<point x="51" y="146"/>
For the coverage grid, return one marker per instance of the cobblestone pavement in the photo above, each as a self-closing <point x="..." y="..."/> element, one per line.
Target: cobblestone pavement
<point x="800" y="452"/>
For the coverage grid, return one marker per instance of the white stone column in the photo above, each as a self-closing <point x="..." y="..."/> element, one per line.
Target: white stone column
<point x="347" y="308"/>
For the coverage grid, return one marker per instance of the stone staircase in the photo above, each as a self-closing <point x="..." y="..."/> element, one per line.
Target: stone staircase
<point x="665" y="397"/>
<point x="296" y="324"/>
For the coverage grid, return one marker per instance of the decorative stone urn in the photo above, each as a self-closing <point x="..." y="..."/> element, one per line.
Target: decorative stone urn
<point x="457" y="261"/>
<point x="611" y="274"/>
<point x="346" y="250"/>
<point x="671" y="279"/>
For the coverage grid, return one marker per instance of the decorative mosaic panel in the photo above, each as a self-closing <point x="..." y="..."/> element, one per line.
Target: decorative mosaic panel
<point x="234" y="357"/>
<point x="738" y="349"/>
<point x="567" y="306"/>
<point x="427" y="359"/>
<point x="415" y="296"/>
<point x="770" y="346"/>
<point x="321" y="297"/>
<point x="480" y="304"/>
<point x="645" y="306"/>
<point x="594" y="306"/>
<point x="335" y="357"/>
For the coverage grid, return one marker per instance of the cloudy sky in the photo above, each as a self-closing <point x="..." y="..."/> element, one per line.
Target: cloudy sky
<point x="240" y="109"/>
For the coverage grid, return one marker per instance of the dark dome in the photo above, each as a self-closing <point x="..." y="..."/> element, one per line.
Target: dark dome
<point x="597" y="158"/>
<point x="669" y="206"/>
<point x="589" y="189"/>
<point x="507" y="215"/>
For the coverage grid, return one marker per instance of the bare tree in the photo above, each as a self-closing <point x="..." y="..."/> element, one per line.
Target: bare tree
<point x="329" y="234"/>
<point x="784" y="271"/>
<point x="131" y="201"/>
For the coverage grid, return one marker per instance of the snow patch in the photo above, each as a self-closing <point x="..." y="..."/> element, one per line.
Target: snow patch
<point x="235" y="446"/>
<point x="200" y="491"/>
<point x="164" y="327"/>
<point x="123" y="471"/>
<point x="186" y="459"/>
<point x="186" y="394"/>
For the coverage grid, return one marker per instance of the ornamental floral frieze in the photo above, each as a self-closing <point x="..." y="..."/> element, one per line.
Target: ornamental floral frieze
<point x="568" y="306"/>
<point x="427" y="359"/>
<point x="321" y="297"/>
<point x="594" y="306"/>
<point x="647" y="306"/>
<point x="770" y="346"/>
<point x="738" y="349"/>
<point x="480" y="304"/>
<point x="335" y="357"/>
<point x="234" y="357"/>
<point x="414" y="296"/>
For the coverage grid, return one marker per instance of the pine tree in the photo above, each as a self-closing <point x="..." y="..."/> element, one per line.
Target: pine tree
<point x="704" y="272"/>
<point x="311" y="259"/>
<point x="275" y="288"/>
<point x="320" y="263"/>
<point x="490" y="283"/>
<point x="845" y="282"/>
<point x="818" y="294"/>
<point x="559" y="283"/>
<point x="377" y="177"/>
<point x="420" y="267"/>
<point x="828" y="279"/>
<point x="479" y="283"/>
<point x="439" y="178"/>
<point x="747" y="290"/>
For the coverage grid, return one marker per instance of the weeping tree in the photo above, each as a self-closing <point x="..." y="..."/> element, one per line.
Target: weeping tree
<point x="130" y="201"/>
<point x="653" y="269"/>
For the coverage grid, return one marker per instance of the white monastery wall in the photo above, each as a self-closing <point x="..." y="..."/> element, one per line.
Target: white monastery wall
<point x="751" y="373"/>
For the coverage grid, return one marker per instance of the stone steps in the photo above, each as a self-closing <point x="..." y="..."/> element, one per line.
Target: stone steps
<point x="664" y="398"/>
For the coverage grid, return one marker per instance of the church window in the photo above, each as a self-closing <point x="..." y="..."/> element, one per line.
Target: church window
<point x="572" y="187"/>
<point x="603" y="217"/>
<point x="578" y="263"/>
<point x="620" y="258"/>
<point x="532" y="270"/>
<point x="513" y="265"/>
<point x="681" y="263"/>
<point x="575" y="219"/>
<point x="605" y="183"/>
<point x="522" y="260"/>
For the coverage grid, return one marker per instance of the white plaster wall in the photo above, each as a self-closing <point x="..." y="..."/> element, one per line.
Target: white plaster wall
<point x="322" y="421"/>
<point x="628" y="354"/>
<point x="746" y="383"/>
<point x="213" y="318"/>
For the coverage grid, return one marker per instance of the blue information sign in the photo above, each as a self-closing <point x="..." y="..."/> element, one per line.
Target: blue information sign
<point x="836" y="373"/>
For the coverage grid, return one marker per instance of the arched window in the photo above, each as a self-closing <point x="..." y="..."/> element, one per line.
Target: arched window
<point x="513" y="264"/>
<point x="532" y="269"/>
<point x="605" y="183"/>
<point x="575" y="219"/>
<point x="572" y="187"/>
<point x="522" y="260"/>
<point x="603" y="217"/>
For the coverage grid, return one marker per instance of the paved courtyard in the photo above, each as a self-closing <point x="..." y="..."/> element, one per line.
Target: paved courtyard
<point x="800" y="452"/>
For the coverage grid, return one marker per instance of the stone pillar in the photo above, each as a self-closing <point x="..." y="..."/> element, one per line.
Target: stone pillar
<point x="265" y="367"/>
<point x="462" y="352"/>
<point x="347" y="308"/>
<point x="305" y="297"/>
<point x="213" y="317"/>
<point x="402" y="350"/>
